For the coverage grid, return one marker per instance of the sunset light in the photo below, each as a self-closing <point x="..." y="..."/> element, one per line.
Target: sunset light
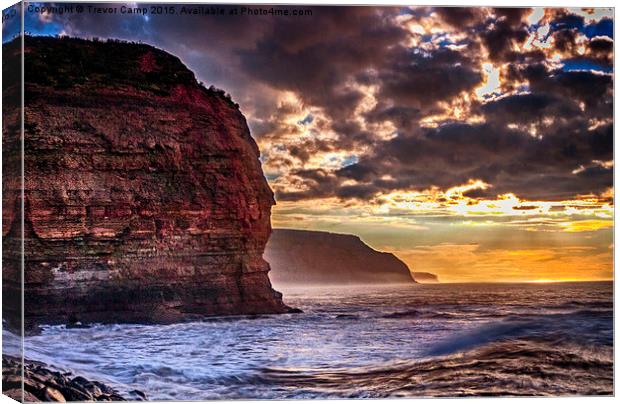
<point x="290" y="202"/>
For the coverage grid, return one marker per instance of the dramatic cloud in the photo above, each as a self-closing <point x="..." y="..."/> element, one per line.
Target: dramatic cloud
<point x="386" y="112"/>
<point x="346" y="97"/>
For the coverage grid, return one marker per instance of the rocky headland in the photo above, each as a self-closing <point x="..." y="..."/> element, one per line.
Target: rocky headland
<point x="302" y="257"/>
<point x="145" y="200"/>
<point x="425" y="277"/>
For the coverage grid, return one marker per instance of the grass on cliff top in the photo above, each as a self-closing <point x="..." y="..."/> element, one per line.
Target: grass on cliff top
<point x="64" y="62"/>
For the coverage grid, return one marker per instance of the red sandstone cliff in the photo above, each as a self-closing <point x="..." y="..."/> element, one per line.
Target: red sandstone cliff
<point x="144" y="196"/>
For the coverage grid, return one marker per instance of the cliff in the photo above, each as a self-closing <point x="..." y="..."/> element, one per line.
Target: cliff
<point x="425" y="277"/>
<point x="314" y="257"/>
<point x="144" y="200"/>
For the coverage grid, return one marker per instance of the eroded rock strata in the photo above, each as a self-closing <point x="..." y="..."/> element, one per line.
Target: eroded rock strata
<point x="145" y="200"/>
<point x="301" y="257"/>
<point x="11" y="185"/>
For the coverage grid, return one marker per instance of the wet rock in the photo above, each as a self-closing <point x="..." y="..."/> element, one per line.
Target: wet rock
<point x="81" y="383"/>
<point x="77" y="394"/>
<point x="32" y="385"/>
<point x="43" y="384"/>
<point x="11" y="381"/>
<point x="137" y="395"/>
<point x="51" y="394"/>
<point x="16" y="394"/>
<point x="104" y="389"/>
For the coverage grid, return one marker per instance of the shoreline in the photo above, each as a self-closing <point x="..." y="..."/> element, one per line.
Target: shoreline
<point x="42" y="384"/>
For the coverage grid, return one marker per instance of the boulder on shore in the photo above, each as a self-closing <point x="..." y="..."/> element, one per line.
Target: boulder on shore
<point x="43" y="384"/>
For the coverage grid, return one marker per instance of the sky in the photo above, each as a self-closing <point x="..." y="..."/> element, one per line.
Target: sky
<point x="474" y="143"/>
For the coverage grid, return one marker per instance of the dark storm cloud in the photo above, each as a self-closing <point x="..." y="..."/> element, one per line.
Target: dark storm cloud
<point x="567" y="28"/>
<point x="315" y="57"/>
<point x="512" y="15"/>
<point x="567" y="21"/>
<point x="420" y="80"/>
<point x="511" y="160"/>
<point x="311" y="56"/>
<point x="500" y="38"/>
<point x="556" y="165"/>
<point x="566" y="40"/>
<point x="530" y="107"/>
<point x="601" y="49"/>
<point x="499" y="29"/>
<point x="460" y="17"/>
<point x="593" y="89"/>
<point x="403" y="117"/>
<point x="601" y="45"/>
<point x="305" y="150"/>
<point x="540" y="140"/>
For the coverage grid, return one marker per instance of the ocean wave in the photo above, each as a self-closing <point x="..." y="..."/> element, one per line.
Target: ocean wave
<point x="421" y="314"/>
<point x="450" y="341"/>
<point x="563" y="326"/>
<point x="526" y="367"/>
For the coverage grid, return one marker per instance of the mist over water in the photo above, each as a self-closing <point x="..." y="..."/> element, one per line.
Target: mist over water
<point x="401" y="340"/>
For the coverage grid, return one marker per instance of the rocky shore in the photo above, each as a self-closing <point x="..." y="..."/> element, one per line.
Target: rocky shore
<point x="44" y="384"/>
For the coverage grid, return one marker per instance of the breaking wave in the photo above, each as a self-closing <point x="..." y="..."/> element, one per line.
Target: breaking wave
<point x="429" y="340"/>
<point x="522" y="367"/>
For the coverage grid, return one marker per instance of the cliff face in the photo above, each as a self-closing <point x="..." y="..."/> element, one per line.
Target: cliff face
<point x="312" y="257"/>
<point x="144" y="196"/>
<point x="425" y="277"/>
<point x="11" y="185"/>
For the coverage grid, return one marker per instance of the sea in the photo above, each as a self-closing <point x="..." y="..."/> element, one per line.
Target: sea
<point x="443" y="340"/>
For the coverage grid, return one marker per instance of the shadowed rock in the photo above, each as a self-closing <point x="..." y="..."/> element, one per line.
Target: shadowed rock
<point x="425" y="277"/>
<point x="145" y="200"/>
<point x="43" y="384"/>
<point x="313" y="257"/>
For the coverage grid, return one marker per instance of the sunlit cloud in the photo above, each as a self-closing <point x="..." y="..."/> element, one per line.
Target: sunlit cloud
<point x="587" y="225"/>
<point x="419" y="120"/>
